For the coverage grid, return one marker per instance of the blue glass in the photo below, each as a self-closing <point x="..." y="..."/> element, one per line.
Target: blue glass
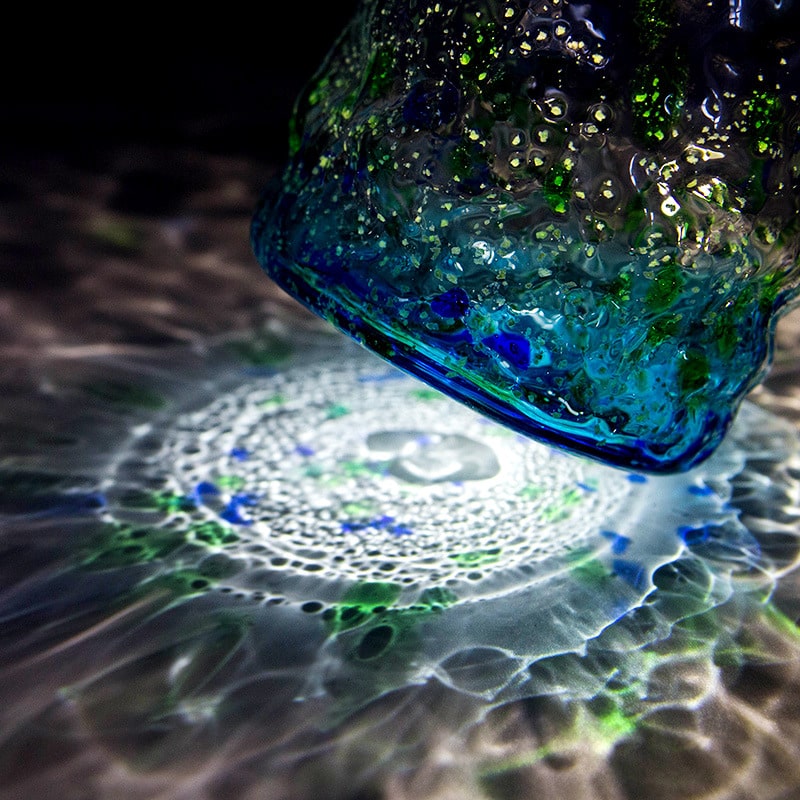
<point x="580" y="219"/>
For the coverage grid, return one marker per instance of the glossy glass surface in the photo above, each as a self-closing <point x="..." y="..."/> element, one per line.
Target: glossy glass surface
<point x="580" y="219"/>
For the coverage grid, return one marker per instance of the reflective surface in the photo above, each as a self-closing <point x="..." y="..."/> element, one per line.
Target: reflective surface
<point x="579" y="218"/>
<point x="243" y="557"/>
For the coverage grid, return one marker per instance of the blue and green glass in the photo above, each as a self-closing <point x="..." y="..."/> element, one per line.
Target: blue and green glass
<point x="580" y="219"/>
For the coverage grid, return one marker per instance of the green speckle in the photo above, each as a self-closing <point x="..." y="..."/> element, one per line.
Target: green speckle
<point x="613" y="721"/>
<point x="426" y="394"/>
<point x="725" y="335"/>
<point x="571" y="497"/>
<point x="360" y="603"/>
<point x="181" y="583"/>
<point x="232" y="482"/>
<point x="117" y="545"/>
<point x="588" y="569"/>
<point x="477" y="558"/>
<point x="462" y="160"/>
<point x="620" y="288"/>
<point x="275" y="401"/>
<point x="781" y="622"/>
<point x="653" y="21"/>
<point x="562" y="508"/>
<point x="762" y="117"/>
<point x="380" y="73"/>
<point x="173" y="503"/>
<point x="212" y="533"/>
<point x="264" y="351"/>
<point x="359" y="468"/>
<point x="662" y="329"/>
<point x="770" y="289"/>
<point x="530" y="492"/>
<point x="657" y="99"/>
<point x="665" y="288"/>
<point x="336" y="410"/>
<point x="557" y="188"/>
<point x="372" y="594"/>
<point x="694" y="370"/>
<point x="359" y="510"/>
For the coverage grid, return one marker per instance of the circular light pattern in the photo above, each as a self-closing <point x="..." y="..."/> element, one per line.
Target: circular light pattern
<point x="300" y="558"/>
<point x="424" y="539"/>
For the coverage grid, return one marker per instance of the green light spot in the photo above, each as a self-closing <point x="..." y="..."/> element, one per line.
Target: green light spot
<point x="118" y="545"/>
<point x="212" y="533"/>
<point x="336" y="411"/>
<point x="426" y="394"/>
<point x="530" y="492"/>
<point x="613" y="722"/>
<point x="181" y="583"/>
<point x="588" y="570"/>
<point x="571" y="497"/>
<point x="232" y="482"/>
<point x="477" y="558"/>
<point x="273" y="402"/>
<point x="360" y="604"/>
<point x="173" y="503"/>
<point x="359" y="510"/>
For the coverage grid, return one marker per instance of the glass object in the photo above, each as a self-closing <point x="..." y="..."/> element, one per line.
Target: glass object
<point x="580" y="219"/>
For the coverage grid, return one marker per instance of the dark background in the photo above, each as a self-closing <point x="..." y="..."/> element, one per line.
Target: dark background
<point x="222" y="80"/>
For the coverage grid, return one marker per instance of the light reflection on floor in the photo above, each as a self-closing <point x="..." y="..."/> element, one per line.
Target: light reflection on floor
<point x="243" y="558"/>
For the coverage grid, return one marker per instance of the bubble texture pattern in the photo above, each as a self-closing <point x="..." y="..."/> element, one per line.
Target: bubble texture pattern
<point x="419" y="539"/>
<point x="579" y="218"/>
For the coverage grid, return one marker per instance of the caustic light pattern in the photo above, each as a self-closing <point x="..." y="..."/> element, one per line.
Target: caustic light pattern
<point x="415" y="538"/>
<point x="579" y="218"/>
<point x="314" y="576"/>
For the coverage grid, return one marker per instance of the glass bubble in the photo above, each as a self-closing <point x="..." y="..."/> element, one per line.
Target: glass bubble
<point x="580" y="219"/>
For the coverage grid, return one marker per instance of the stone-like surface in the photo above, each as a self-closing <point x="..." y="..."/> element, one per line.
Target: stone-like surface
<point x="579" y="218"/>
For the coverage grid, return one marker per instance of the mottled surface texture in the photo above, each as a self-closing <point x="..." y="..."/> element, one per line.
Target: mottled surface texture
<point x="579" y="218"/>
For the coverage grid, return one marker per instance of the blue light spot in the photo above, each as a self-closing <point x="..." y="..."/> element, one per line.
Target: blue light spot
<point x="452" y="304"/>
<point x="232" y="512"/>
<point x="240" y="453"/>
<point x="400" y="530"/>
<point x="384" y="523"/>
<point x="701" y="491"/>
<point x="203" y="490"/>
<point x="694" y="536"/>
<point x="637" y="478"/>
<point x="587" y="488"/>
<point x="630" y="572"/>
<point x="512" y="347"/>
<point x="619" y="543"/>
<point x="304" y="450"/>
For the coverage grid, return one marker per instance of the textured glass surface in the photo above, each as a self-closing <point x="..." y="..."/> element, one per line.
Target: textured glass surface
<point x="579" y="218"/>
